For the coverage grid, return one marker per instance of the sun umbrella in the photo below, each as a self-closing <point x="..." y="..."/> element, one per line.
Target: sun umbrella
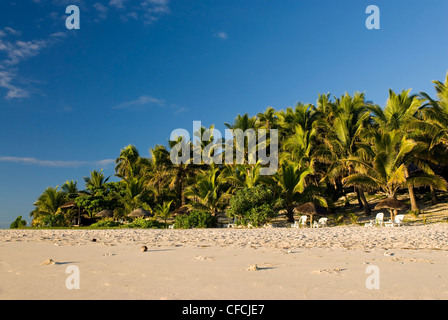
<point x="392" y="205"/>
<point x="105" y="214"/>
<point x="139" y="213"/>
<point x="311" y="209"/>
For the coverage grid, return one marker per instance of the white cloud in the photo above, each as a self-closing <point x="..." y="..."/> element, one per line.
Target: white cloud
<point x="119" y="4"/>
<point x="12" y="52"/>
<point x="222" y="35"/>
<point x="140" y="101"/>
<point x="56" y="163"/>
<point x="102" y="11"/>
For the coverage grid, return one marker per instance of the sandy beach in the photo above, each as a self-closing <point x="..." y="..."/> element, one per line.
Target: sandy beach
<point x="410" y="262"/>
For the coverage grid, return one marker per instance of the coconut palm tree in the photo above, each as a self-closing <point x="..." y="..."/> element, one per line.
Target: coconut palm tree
<point x="71" y="189"/>
<point x="96" y="180"/>
<point x="400" y="114"/>
<point x="349" y="117"/>
<point x="209" y="192"/>
<point x="135" y="196"/>
<point x="435" y="115"/>
<point x="291" y="181"/>
<point x="127" y="162"/>
<point x="268" y="119"/>
<point x="382" y="165"/>
<point x="49" y="202"/>
<point x="164" y="211"/>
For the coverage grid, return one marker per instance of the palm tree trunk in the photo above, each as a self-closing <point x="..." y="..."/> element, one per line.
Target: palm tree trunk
<point x="360" y="204"/>
<point x="365" y="204"/>
<point x="413" y="199"/>
<point x="433" y="195"/>
<point x="290" y="214"/>
<point x="181" y="190"/>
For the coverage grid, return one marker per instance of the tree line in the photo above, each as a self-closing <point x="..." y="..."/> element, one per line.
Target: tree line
<point x="339" y="145"/>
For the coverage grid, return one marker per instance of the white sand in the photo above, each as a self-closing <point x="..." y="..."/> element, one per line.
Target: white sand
<point x="325" y="263"/>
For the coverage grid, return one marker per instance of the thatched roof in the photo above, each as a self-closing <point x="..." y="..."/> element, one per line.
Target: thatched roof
<point x="69" y="205"/>
<point x="311" y="208"/>
<point x="105" y="214"/>
<point x="390" y="203"/>
<point x="139" y="213"/>
<point x="180" y="211"/>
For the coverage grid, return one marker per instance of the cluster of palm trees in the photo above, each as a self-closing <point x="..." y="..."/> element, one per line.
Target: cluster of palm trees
<point x="339" y="146"/>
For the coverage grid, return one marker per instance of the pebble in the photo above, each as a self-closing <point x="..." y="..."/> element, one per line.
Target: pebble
<point x="48" y="262"/>
<point x="253" y="267"/>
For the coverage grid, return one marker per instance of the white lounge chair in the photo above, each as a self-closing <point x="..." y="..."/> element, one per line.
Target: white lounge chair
<point x="321" y="223"/>
<point x="301" y="222"/>
<point x="398" y="221"/>
<point x="379" y="220"/>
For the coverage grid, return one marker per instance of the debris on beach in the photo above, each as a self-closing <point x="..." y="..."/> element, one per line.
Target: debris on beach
<point x="144" y="249"/>
<point x="48" y="262"/>
<point x="202" y="258"/>
<point x="253" y="267"/>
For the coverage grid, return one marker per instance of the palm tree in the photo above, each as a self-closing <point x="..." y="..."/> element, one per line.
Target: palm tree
<point x="382" y="165"/>
<point x="299" y="147"/>
<point x="49" y="202"/>
<point x="303" y="114"/>
<point x="129" y="164"/>
<point x="209" y="192"/>
<point x="401" y="111"/>
<point x="435" y="114"/>
<point x="96" y="180"/>
<point x="244" y="123"/>
<point x="71" y="189"/>
<point x="179" y="173"/>
<point x="291" y="182"/>
<point x="268" y="119"/>
<point x="350" y="117"/>
<point x="163" y="211"/>
<point x="135" y="196"/>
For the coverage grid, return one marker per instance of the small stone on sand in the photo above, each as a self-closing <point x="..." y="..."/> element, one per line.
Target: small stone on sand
<point x="253" y="267"/>
<point x="48" y="262"/>
<point x="144" y="249"/>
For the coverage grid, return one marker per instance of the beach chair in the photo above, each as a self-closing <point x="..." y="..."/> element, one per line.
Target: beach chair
<point x="379" y="220"/>
<point x="321" y="223"/>
<point x="301" y="222"/>
<point x="398" y="221"/>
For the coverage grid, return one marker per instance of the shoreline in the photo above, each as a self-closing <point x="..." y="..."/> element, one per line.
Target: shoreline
<point x="215" y="264"/>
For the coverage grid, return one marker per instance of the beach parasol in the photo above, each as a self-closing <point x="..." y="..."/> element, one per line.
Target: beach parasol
<point x="311" y="209"/>
<point x="105" y="214"/>
<point x="139" y="213"/>
<point x="392" y="205"/>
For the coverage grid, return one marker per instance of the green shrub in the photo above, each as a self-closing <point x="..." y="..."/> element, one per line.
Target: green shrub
<point x="54" y="221"/>
<point x="253" y="205"/>
<point x="19" y="223"/>
<point x="195" y="220"/>
<point x="141" y="223"/>
<point x="105" y="224"/>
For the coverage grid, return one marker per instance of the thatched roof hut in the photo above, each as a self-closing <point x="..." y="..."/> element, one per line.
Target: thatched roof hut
<point x="390" y="203"/>
<point x="138" y="213"/>
<point x="105" y="214"/>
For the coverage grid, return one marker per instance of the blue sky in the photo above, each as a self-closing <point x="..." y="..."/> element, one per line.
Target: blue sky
<point x="138" y="69"/>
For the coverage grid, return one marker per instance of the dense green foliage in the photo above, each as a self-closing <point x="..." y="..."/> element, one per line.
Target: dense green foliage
<point x="255" y="206"/>
<point x="19" y="223"/>
<point x="195" y="220"/>
<point x="326" y="151"/>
